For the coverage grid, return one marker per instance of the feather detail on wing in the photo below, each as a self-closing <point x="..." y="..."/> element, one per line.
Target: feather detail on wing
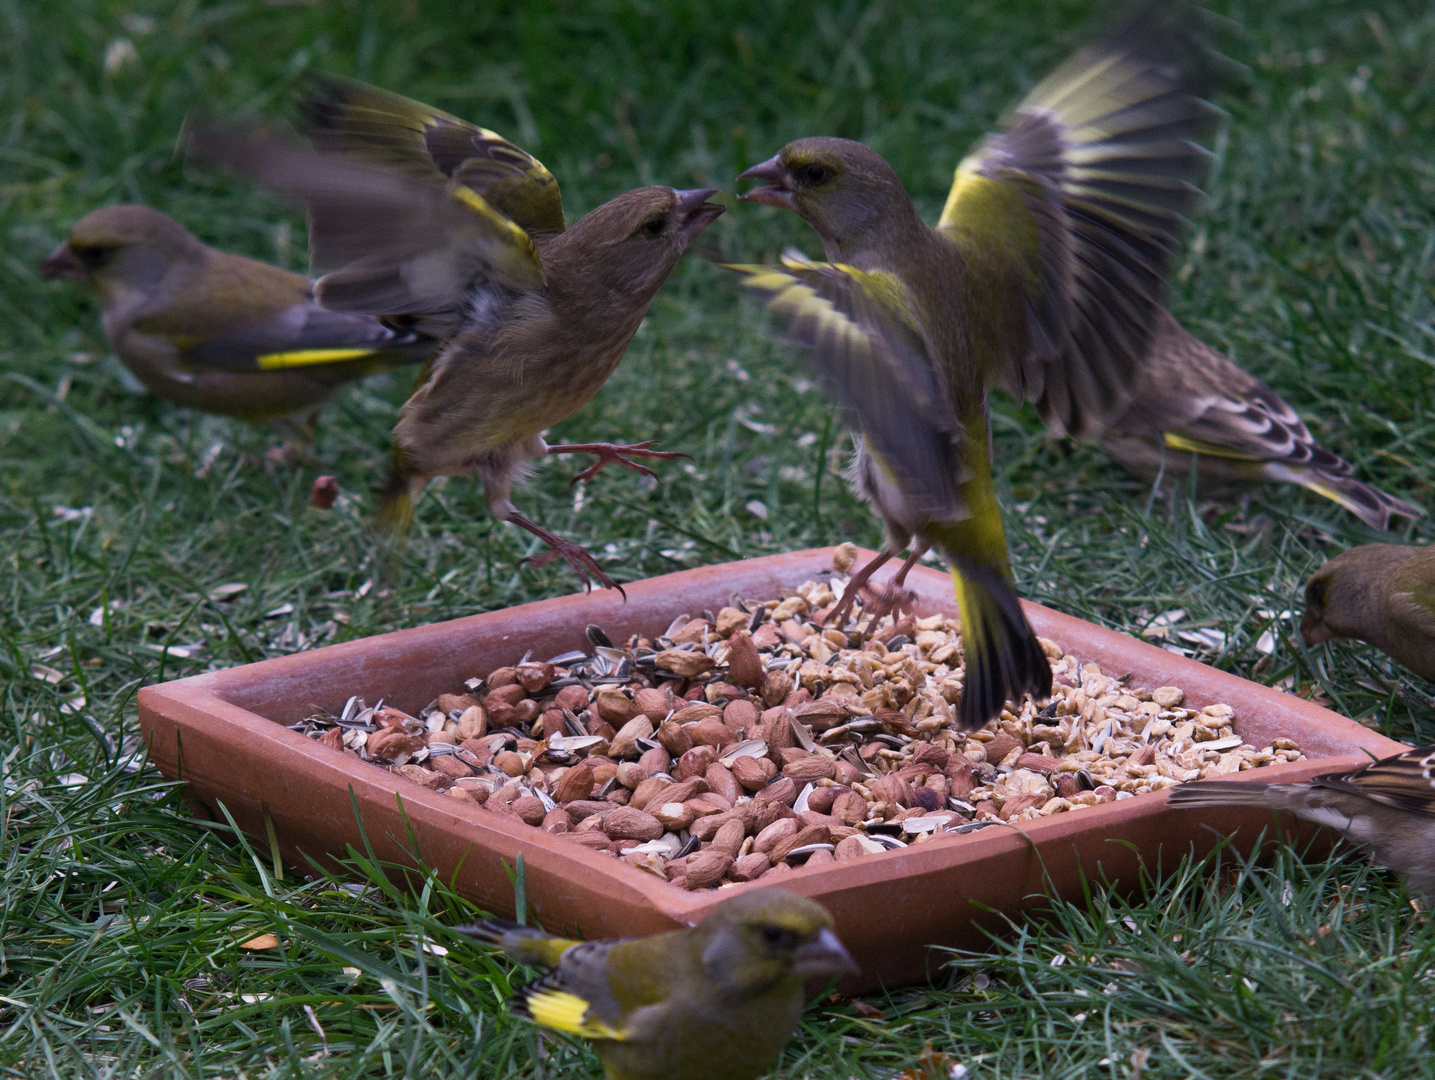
<point x="341" y="116"/>
<point x="562" y="1010"/>
<point x="306" y="335"/>
<point x="1084" y="196"/>
<point x="871" y="358"/>
<point x="396" y="245"/>
<point x="1405" y="781"/>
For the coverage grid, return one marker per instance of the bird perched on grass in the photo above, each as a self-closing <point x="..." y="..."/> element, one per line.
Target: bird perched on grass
<point x="213" y="331"/>
<point x="715" y="1002"/>
<point x="1387" y="807"/>
<point x="1043" y="275"/>
<point x="420" y="217"/>
<point x="1383" y="594"/>
<point x="1192" y="400"/>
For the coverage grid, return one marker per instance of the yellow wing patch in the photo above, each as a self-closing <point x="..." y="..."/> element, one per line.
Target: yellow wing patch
<point x="294" y="358"/>
<point x="1176" y="441"/>
<point x="568" y="1013"/>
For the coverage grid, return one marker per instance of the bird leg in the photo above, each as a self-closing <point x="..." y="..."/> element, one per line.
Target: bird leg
<point x="575" y="556"/>
<point x="854" y="588"/>
<point x="894" y="597"/>
<point x="616" y="453"/>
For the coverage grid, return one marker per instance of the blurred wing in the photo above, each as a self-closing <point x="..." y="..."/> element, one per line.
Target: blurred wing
<point x="1403" y="781"/>
<point x="873" y="362"/>
<point x="1083" y="197"/>
<point x="576" y="996"/>
<point x="306" y="335"/>
<point x="352" y="119"/>
<point x="396" y="245"/>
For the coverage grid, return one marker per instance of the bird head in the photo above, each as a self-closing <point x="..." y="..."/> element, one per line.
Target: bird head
<point x="120" y="248"/>
<point x="633" y="242"/>
<point x="841" y="188"/>
<point x="760" y="939"/>
<point x="1344" y="598"/>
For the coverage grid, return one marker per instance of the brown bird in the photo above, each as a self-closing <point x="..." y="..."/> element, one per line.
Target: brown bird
<point x="1193" y="401"/>
<point x="213" y="331"/>
<point x="1383" y="594"/>
<point x="427" y="220"/>
<point x="1387" y="807"/>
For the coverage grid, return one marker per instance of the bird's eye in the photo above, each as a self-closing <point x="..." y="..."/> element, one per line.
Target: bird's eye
<point x="777" y="937"/>
<point x="653" y="226"/>
<point x="812" y="175"/>
<point x="92" y="255"/>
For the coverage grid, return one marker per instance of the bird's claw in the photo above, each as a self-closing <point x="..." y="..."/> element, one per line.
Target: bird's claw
<point x="617" y="454"/>
<point x="575" y="555"/>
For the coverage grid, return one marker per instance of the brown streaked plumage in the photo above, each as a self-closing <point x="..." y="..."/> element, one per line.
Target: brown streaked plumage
<point x="1387" y="807"/>
<point x="214" y="331"/>
<point x="533" y="317"/>
<point x="1192" y="400"/>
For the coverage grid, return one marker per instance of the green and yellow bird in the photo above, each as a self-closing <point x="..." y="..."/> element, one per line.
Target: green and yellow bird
<point x="1043" y="276"/>
<point x="215" y="331"/>
<point x="1192" y="401"/>
<point x="430" y="221"/>
<point x="1382" y="594"/>
<point x="718" y="1001"/>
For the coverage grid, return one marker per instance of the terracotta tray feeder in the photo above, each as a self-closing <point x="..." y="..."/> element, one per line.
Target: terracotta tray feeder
<point x="223" y="733"/>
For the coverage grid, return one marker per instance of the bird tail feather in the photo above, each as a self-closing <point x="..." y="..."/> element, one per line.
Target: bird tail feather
<point x="1003" y="658"/>
<point x="1223" y="793"/>
<point x="1370" y="504"/>
<point x="523" y="943"/>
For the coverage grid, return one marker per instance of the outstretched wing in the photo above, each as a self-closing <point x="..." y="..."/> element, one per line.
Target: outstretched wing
<point x="350" y="118"/>
<point x="393" y="244"/>
<point x="1082" y="199"/>
<point x="872" y="359"/>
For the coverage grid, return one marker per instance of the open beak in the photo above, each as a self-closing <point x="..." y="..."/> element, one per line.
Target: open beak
<point x="823" y="955"/>
<point x="775" y="191"/>
<point x="696" y="211"/>
<point x="62" y="264"/>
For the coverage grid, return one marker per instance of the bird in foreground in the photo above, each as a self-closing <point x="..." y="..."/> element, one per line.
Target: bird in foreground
<point x="718" y="1001"/>
<point x="428" y="220"/>
<point x="1192" y="400"/>
<point x="1042" y="276"/>
<point x="1383" y="594"/>
<point x="1387" y="807"/>
<point x="214" y="331"/>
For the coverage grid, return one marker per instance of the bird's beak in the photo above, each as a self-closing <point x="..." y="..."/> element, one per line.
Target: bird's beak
<point x="823" y="955"/>
<point x="697" y="213"/>
<point x="1313" y="629"/>
<point x="62" y="264"/>
<point x="773" y="193"/>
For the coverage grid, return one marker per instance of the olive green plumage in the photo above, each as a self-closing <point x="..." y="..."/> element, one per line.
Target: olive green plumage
<point x="418" y="216"/>
<point x="715" y="1002"/>
<point x="1386" y="807"/>
<point x="1192" y="401"/>
<point x="214" y="331"/>
<point x="1043" y="276"/>
<point x="1383" y="594"/>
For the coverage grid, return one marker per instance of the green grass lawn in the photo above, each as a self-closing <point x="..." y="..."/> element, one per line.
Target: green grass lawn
<point x="1311" y="264"/>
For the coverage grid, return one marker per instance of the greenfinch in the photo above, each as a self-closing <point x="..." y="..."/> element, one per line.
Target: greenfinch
<point x="429" y="221"/>
<point x="1383" y="594"/>
<point x="215" y="331"/>
<point x="718" y="1001"/>
<point x="1193" y="401"/>
<point x="1043" y="275"/>
<point x="1387" y="807"/>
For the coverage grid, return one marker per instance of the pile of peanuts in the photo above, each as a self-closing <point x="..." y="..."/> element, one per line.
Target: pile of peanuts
<point x="742" y="743"/>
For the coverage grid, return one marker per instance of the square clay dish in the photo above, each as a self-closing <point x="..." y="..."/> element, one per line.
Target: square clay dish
<point x="223" y="734"/>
